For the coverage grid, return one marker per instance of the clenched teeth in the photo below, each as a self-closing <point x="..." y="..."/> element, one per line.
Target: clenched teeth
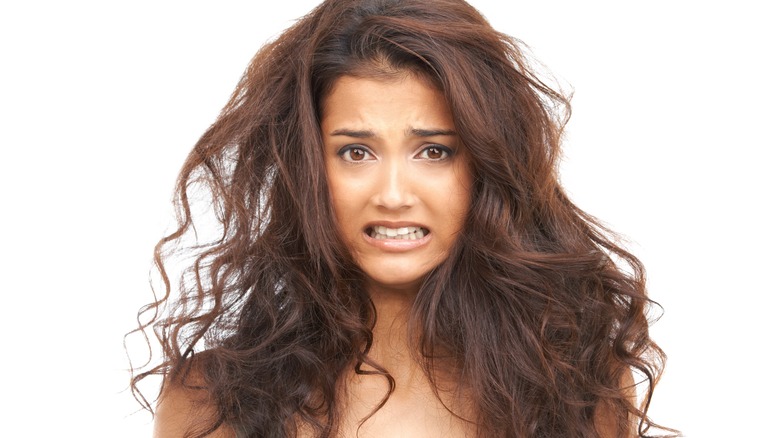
<point x="403" y="233"/>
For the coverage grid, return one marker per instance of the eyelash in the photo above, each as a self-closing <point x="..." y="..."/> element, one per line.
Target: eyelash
<point x="443" y="150"/>
<point x="346" y="150"/>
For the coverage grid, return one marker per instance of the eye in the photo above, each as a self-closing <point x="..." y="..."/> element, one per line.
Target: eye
<point x="435" y="153"/>
<point x="353" y="153"/>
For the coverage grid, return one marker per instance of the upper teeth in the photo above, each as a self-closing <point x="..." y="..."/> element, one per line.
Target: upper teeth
<point x="407" y="233"/>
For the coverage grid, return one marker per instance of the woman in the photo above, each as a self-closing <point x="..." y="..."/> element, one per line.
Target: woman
<point x="397" y="257"/>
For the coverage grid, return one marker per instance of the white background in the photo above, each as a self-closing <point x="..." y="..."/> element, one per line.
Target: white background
<point x="673" y="143"/>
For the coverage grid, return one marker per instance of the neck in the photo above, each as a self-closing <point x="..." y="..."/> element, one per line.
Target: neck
<point x="391" y="345"/>
<point x="392" y="350"/>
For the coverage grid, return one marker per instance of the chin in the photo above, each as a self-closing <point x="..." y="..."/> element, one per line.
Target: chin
<point x="400" y="271"/>
<point x="408" y="284"/>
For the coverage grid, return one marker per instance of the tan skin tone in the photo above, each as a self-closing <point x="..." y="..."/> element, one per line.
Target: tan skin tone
<point x="393" y="159"/>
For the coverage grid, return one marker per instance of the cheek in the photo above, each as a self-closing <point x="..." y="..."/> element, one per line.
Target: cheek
<point x="452" y="203"/>
<point x="339" y="205"/>
<point x="461" y="193"/>
<point x="344" y="199"/>
<point x="459" y="208"/>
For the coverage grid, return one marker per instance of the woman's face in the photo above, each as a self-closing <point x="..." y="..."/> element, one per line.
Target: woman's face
<point x="398" y="176"/>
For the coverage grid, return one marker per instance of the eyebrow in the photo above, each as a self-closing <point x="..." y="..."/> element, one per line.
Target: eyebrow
<point x="413" y="132"/>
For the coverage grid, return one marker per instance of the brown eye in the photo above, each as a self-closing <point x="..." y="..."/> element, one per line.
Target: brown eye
<point x="356" y="154"/>
<point x="435" y="153"/>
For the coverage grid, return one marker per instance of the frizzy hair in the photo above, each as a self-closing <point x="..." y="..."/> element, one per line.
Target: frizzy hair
<point x="540" y="308"/>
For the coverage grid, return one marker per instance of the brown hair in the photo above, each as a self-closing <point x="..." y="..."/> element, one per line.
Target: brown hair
<point x="541" y="309"/>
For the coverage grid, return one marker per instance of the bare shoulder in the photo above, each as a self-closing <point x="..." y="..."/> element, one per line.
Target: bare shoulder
<point x="185" y="409"/>
<point x="607" y="422"/>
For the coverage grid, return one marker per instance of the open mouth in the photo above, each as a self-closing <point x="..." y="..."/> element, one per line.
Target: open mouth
<point x="403" y="233"/>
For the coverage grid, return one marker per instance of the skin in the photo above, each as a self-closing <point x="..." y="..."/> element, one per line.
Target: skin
<point x="184" y="408"/>
<point x="392" y="158"/>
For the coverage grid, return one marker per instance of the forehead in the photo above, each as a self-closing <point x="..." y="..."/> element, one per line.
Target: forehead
<point x="407" y="99"/>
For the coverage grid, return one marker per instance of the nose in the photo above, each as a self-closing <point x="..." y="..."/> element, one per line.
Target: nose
<point x="394" y="186"/>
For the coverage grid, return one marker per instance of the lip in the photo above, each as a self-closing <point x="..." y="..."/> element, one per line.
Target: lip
<point x="396" y="245"/>
<point x="394" y="224"/>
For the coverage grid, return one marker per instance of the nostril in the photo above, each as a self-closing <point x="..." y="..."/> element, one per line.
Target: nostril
<point x="394" y="195"/>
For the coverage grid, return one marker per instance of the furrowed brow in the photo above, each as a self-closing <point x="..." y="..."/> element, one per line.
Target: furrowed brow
<point x="354" y="133"/>
<point x="418" y="132"/>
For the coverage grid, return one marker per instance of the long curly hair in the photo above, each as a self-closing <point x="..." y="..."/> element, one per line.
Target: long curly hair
<point x="539" y="306"/>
